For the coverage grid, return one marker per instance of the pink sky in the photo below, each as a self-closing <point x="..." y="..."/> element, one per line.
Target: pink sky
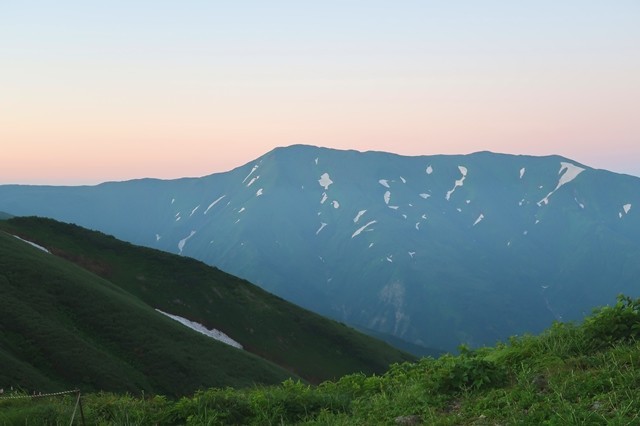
<point x="113" y="92"/>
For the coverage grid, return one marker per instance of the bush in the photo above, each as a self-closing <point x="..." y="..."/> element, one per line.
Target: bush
<point x="466" y="372"/>
<point x="614" y="324"/>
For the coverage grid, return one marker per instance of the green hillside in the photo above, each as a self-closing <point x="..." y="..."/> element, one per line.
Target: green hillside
<point x="571" y="374"/>
<point x="62" y="326"/>
<point x="304" y="343"/>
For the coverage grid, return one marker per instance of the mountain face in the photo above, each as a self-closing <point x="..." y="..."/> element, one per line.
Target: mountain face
<point x="435" y="250"/>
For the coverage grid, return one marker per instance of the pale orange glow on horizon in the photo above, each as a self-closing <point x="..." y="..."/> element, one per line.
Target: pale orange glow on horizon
<point x="95" y="94"/>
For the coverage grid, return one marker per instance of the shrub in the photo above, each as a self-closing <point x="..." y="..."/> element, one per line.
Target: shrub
<point x="613" y="324"/>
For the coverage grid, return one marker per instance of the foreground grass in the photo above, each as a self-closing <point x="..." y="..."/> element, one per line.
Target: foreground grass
<point x="570" y="374"/>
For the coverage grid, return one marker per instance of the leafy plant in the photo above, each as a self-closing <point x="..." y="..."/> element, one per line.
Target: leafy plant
<point x="612" y="324"/>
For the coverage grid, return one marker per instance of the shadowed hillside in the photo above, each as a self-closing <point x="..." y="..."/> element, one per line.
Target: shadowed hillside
<point x="299" y="341"/>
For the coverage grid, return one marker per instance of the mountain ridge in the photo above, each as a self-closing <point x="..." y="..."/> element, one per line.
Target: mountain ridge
<point x="436" y="250"/>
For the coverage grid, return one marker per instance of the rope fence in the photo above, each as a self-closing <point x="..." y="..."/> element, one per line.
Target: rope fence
<point x="77" y="405"/>
<point x="40" y="395"/>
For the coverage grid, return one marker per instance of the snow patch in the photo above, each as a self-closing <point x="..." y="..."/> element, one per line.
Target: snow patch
<point x="213" y="333"/>
<point x="370" y="245"/>
<point x="252" y="181"/>
<point x="324" y="198"/>
<point x="335" y="204"/>
<point x="412" y="253"/>
<point x="184" y="241"/>
<point x="425" y="196"/>
<point x="390" y="258"/>
<point x="429" y="170"/>
<point x="362" y="228"/>
<point x="424" y="216"/>
<point x="39" y="247"/>
<point x="571" y="171"/>
<point x="322" y="225"/>
<point x="479" y="219"/>
<point x="579" y="203"/>
<point x="158" y="236"/>
<point x="626" y="208"/>
<point x="316" y="160"/>
<point x="417" y="226"/>
<point x="325" y="181"/>
<point x="173" y="200"/>
<point x="241" y="210"/>
<point x="393" y="207"/>
<point x="403" y="179"/>
<point x="194" y="210"/>
<point x="522" y="171"/>
<point x="387" y="197"/>
<point x="384" y="183"/>
<point x="213" y="204"/>
<point x="458" y="183"/>
<point x="259" y="192"/>
<point x="250" y="173"/>
<point x="358" y="216"/>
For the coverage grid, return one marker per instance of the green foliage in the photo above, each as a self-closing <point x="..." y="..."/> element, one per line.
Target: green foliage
<point x="613" y="324"/>
<point x="533" y="380"/>
<point x="466" y="372"/>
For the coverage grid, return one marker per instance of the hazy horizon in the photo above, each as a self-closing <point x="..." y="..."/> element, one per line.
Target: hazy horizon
<point x="115" y="91"/>
<point x="91" y="183"/>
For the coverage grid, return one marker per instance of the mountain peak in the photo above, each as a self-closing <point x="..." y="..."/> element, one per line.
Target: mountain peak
<point x="435" y="250"/>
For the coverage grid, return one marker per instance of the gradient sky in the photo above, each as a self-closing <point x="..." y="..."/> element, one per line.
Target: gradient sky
<point x="93" y="91"/>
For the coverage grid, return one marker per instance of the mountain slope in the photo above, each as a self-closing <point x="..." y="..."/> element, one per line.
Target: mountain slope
<point x="436" y="250"/>
<point x="63" y="327"/>
<point x="302" y="342"/>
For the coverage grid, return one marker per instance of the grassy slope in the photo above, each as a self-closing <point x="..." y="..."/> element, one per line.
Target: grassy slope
<point x="305" y="343"/>
<point x="62" y="326"/>
<point x="569" y="375"/>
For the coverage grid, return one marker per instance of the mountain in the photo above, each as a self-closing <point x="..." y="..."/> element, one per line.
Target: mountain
<point x="80" y="308"/>
<point x="62" y="327"/>
<point x="435" y="250"/>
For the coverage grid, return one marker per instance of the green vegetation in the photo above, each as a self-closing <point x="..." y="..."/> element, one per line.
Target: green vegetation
<point x="84" y="317"/>
<point x="569" y="375"/>
<point x="4" y="216"/>
<point x="62" y="326"/>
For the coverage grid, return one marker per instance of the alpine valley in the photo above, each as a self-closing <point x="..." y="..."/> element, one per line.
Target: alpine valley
<point x="431" y="250"/>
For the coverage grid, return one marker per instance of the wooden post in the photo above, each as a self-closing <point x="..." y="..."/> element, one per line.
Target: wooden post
<point x="81" y="411"/>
